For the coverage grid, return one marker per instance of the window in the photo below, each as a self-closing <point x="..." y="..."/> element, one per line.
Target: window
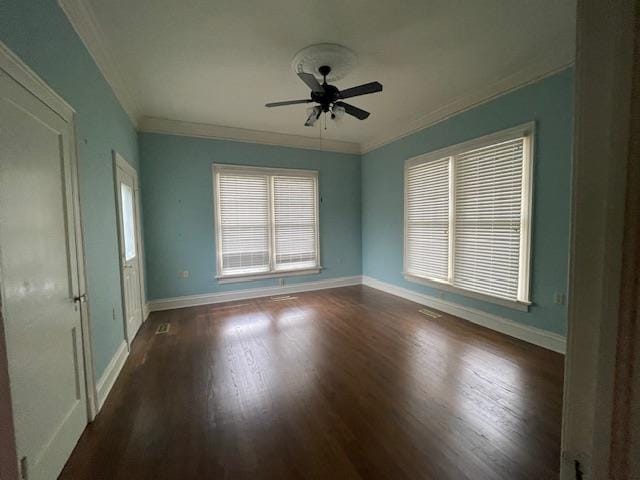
<point x="468" y="215"/>
<point x="129" y="234"/>
<point x="266" y="221"/>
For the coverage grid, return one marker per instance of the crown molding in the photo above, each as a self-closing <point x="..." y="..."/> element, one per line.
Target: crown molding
<point x="219" y="132"/>
<point x="84" y="23"/>
<point x="531" y="74"/>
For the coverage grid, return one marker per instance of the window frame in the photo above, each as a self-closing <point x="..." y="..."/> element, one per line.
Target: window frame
<point x="270" y="172"/>
<point x="526" y="131"/>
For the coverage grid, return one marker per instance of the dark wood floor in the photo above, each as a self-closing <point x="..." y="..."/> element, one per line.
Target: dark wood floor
<point x="349" y="383"/>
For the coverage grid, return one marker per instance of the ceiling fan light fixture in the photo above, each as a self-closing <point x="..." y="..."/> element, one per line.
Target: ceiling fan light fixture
<point x="337" y="112"/>
<point x="328" y="97"/>
<point x="313" y="114"/>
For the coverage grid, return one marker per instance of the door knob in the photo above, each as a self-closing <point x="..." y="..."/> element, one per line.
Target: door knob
<point x="80" y="298"/>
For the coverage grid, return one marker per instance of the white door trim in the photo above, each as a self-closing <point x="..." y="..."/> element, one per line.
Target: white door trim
<point x="120" y="162"/>
<point x="605" y="35"/>
<point x="90" y="374"/>
<point x="19" y="71"/>
<point x="22" y="73"/>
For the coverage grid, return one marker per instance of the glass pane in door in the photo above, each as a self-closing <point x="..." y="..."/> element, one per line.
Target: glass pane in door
<point x="128" y="224"/>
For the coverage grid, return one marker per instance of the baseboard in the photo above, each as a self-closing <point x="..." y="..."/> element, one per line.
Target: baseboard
<point x="205" y="299"/>
<point x="145" y="311"/>
<point x="542" y="338"/>
<point x="111" y="373"/>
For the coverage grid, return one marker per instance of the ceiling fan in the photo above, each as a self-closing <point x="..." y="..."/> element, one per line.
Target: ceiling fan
<point x="330" y="98"/>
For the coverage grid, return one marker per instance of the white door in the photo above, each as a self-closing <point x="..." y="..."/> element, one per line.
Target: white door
<point x="126" y="191"/>
<point x="39" y="278"/>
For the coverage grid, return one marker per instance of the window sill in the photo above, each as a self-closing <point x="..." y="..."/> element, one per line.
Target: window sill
<point x="262" y="276"/>
<point x="522" y="306"/>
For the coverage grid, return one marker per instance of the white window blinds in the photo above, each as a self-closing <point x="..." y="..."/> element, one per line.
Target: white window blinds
<point x="427" y="237"/>
<point x="488" y="208"/>
<point x="467" y="216"/>
<point x="243" y="206"/>
<point x="295" y="222"/>
<point x="266" y="220"/>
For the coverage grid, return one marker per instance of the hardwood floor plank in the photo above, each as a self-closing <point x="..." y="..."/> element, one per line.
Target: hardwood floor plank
<point x="349" y="383"/>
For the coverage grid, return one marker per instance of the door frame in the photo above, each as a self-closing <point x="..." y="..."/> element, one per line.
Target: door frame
<point x="120" y="162"/>
<point x="22" y="74"/>
<point x="605" y="236"/>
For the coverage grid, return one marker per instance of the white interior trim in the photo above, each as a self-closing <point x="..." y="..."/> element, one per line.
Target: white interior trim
<point x="13" y="66"/>
<point x="537" y="336"/>
<point x="604" y="94"/>
<point x="447" y="287"/>
<point x="87" y="337"/>
<point x="124" y="164"/>
<point x="522" y="130"/>
<point x="145" y="311"/>
<point x="533" y="74"/>
<point x="83" y="20"/>
<point x="120" y="162"/>
<point x="110" y="375"/>
<point x="527" y="132"/>
<point x="219" y="132"/>
<point x="219" y="169"/>
<point x="209" y="298"/>
<point x="264" y="276"/>
<point x="254" y="170"/>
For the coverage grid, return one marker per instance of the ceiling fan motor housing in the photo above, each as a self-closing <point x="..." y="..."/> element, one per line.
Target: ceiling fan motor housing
<point x="321" y="60"/>
<point x="330" y="95"/>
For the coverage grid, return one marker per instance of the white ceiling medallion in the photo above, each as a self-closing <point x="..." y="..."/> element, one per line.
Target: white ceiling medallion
<point x="341" y="60"/>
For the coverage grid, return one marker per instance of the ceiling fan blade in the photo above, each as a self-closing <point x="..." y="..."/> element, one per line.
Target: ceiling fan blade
<point x="287" y="102"/>
<point x="365" y="89"/>
<point x="313" y="116"/>
<point x="354" y="111"/>
<point x="311" y="81"/>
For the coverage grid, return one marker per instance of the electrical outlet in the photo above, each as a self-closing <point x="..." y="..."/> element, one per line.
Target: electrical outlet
<point x="113" y="313"/>
<point x="558" y="298"/>
<point x="281" y="282"/>
<point x="184" y="274"/>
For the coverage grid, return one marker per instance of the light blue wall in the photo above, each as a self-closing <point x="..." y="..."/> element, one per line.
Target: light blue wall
<point x="40" y="34"/>
<point x="177" y="192"/>
<point x="548" y="102"/>
<point x="177" y="200"/>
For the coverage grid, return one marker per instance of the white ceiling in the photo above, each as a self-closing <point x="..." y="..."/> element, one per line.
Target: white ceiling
<point x="219" y="61"/>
